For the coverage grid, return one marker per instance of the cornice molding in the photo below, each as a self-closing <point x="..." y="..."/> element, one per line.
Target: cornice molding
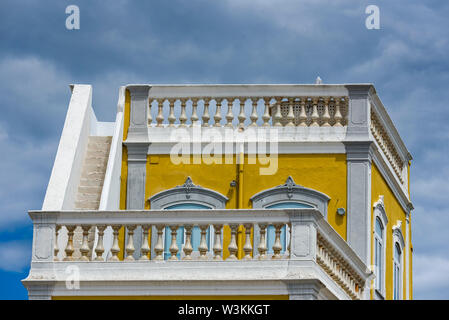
<point x="391" y="179"/>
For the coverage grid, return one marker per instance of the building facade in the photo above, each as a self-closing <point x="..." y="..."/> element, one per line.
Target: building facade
<point x="227" y="191"/>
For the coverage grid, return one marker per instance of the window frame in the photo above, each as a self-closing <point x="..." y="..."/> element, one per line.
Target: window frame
<point x="379" y="214"/>
<point x="291" y="192"/>
<point x="398" y="242"/>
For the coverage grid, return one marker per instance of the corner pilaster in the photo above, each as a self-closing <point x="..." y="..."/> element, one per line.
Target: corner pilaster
<point x="135" y="194"/>
<point x="358" y="160"/>
<point x="137" y="145"/>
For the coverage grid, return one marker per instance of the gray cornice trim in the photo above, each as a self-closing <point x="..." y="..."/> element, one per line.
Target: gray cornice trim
<point x="137" y="151"/>
<point x="188" y="192"/>
<point x="358" y="150"/>
<point x="360" y="90"/>
<point x="290" y="191"/>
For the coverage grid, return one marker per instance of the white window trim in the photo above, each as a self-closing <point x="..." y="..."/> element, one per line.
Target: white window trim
<point x="398" y="239"/>
<point x="379" y="212"/>
<point x="291" y="192"/>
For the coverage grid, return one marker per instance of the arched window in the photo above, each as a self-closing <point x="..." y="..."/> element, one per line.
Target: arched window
<point x="379" y="241"/>
<point x="287" y="195"/>
<point x="186" y="197"/>
<point x="397" y="274"/>
<point x="398" y="242"/>
<point x="378" y="254"/>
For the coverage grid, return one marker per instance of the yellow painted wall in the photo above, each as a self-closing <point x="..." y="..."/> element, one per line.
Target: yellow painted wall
<point x="394" y="213"/>
<point x="323" y="172"/>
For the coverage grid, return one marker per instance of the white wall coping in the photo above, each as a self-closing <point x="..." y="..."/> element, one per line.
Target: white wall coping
<point x="65" y="175"/>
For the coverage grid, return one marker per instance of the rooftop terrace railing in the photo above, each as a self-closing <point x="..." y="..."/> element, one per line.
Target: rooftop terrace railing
<point x="247" y="105"/>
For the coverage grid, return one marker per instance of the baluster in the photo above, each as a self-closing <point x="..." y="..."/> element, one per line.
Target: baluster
<point x="183" y="116"/>
<point x="315" y="116"/>
<point x="217" y="242"/>
<point x="130" y="246"/>
<point x="206" y="115"/>
<point x="337" y="115"/>
<point x="150" y="119"/>
<point x="69" y="249"/>
<point x="302" y="113"/>
<point x="160" y="116"/>
<point x="145" y="249"/>
<point x="171" y="116"/>
<point x="188" y="245"/>
<point x="217" y="117"/>
<point x="326" y="117"/>
<point x="173" y="246"/>
<point x="99" y="249"/>
<point x="247" y="248"/>
<point x="277" y="246"/>
<point x="84" y="246"/>
<point x="194" y="116"/>
<point x="253" y="115"/>
<point x="115" y="250"/>
<point x="262" y="248"/>
<point x="266" y="114"/>
<point x="233" y="244"/>
<point x="56" y="248"/>
<point x="229" y="115"/>
<point x="278" y="114"/>
<point x="290" y="116"/>
<point x="159" y="247"/>
<point x="241" y="115"/>
<point x="202" y="248"/>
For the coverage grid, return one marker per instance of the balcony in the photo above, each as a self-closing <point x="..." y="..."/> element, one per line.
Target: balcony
<point x="314" y="262"/>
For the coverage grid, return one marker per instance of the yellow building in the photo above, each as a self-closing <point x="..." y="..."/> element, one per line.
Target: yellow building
<point x="227" y="191"/>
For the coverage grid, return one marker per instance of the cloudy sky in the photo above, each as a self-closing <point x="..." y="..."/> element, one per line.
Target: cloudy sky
<point x="221" y="41"/>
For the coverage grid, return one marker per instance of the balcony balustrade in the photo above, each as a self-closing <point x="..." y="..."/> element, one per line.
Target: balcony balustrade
<point x="310" y="239"/>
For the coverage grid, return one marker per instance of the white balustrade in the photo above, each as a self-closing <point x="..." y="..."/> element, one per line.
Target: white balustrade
<point x="289" y="111"/>
<point x="336" y="259"/>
